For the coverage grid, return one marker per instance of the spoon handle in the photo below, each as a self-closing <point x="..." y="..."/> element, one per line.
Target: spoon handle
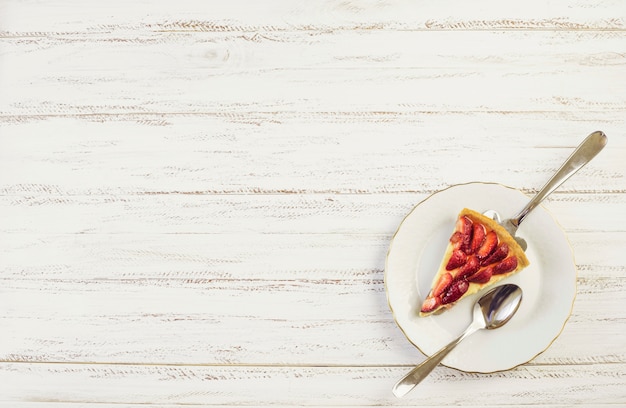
<point x="416" y="375"/>
<point x="583" y="154"/>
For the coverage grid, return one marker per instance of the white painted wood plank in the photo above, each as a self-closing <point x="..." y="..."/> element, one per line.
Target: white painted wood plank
<point x="103" y="323"/>
<point x="345" y="71"/>
<point x="60" y="404"/>
<point x="267" y="213"/>
<point x="203" y="182"/>
<point x="263" y="297"/>
<point x="122" y="158"/>
<point x="291" y="386"/>
<point x="272" y="15"/>
<point x="240" y="256"/>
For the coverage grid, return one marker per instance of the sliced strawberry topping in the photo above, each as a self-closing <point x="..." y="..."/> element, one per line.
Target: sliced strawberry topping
<point x="482" y="276"/>
<point x="489" y="244"/>
<point x="464" y="226"/>
<point x="471" y="267"/>
<point x="442" y="284"/>
<point x="478" y="236"/>
<point x="476" y="256"/>
<point x="457" y="259"/>
<point x="456" y="239"/>
<point x="430" y="304"/>
<point x="455" y="291"/>
<point x="505" y="266"/>
<point x="499" y="254"/>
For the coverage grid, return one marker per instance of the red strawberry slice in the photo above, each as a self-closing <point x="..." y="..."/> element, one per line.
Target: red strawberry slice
<point x="456" y="239"/>
<point x="489" y="244"/>
<point x="471" y="267"/>
<point x="430" y="304"/>
<point x="457" y="259"/>
<point x="505" y="266"/>
<point x="478" y="236"/>
<point x="482" y="276"/>
<point x="442" y="284"/>
<point x="499" y="254"/>
<point x="464" y="226"/>
<point x="455" y="291"/>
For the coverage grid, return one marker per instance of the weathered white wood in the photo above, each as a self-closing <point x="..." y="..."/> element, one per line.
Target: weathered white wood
<point x="341" y="75"/>
<point x="213" y="327"/>
<point x="245" y="298"/>
<point x="197" y="197"/>
<point x="243" y="385"/>
<point x="53" y="213"/>
<point x="57" y="404"/>
<point x="98" y="158"/>
<point x="39" y="17"/>
<point x="218" y="256"/>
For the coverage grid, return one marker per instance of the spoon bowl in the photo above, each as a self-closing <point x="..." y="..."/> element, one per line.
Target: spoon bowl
<point x="498" y="305"/>
<point x="494" y="309"/>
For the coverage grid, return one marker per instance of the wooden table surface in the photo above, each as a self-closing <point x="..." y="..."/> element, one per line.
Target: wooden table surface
<point x="197" y="197"/>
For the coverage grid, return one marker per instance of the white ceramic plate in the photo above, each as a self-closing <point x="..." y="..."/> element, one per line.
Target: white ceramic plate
<point x="548" y="283"/>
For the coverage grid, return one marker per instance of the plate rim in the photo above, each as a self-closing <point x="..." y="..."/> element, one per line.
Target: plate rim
<point x="560" y="227"/>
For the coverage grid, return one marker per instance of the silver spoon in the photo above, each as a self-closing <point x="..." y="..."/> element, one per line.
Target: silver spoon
<point x="491" y="311"/>
<point x="583" y="154"/>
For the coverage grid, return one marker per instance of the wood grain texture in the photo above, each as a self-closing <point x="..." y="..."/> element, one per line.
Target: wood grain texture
<point x="307" y="385"/>
<point x="197" y="197"/>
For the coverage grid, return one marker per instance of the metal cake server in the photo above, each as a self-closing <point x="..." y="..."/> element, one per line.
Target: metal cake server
<point x="583" y="154"/>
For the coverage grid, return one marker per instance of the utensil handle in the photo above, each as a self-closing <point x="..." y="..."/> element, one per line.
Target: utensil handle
<point x="416" y="375"/>
<point x="583" y="154"/>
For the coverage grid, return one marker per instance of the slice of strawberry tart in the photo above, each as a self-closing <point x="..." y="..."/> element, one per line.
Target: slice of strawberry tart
<point x="480" y="253"/>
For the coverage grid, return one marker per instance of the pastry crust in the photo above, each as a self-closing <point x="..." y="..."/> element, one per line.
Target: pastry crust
<point x="474" y="287"/>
